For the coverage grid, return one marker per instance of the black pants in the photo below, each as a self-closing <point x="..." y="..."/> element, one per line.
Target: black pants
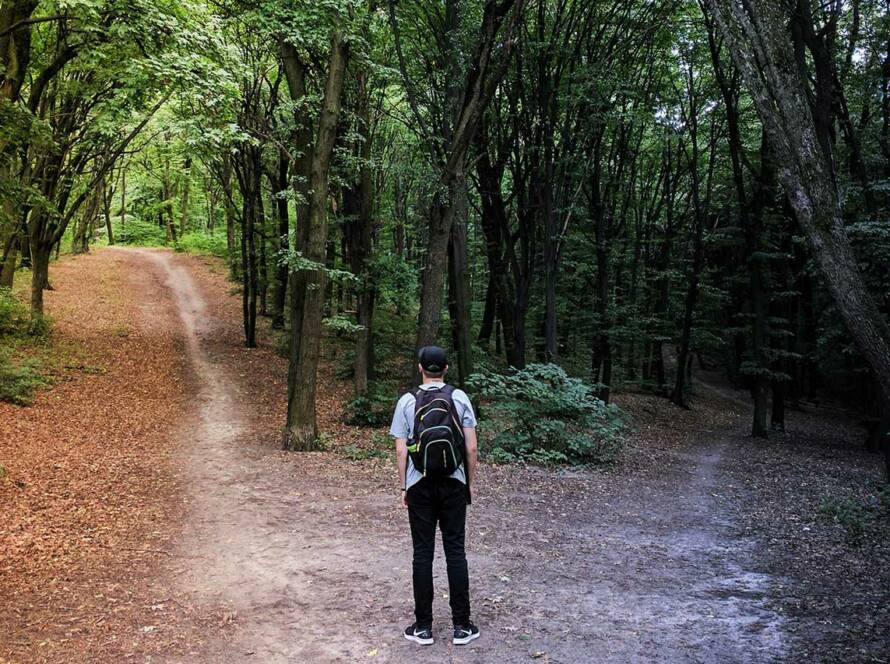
<point x="442" y="501"/>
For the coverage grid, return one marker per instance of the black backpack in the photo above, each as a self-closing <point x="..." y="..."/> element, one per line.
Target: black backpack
<point x="437" y="447"/>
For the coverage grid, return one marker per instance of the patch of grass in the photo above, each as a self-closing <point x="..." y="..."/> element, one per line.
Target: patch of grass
<point x="23" y="343"/>
<point x="19" y="378"/>
<point x="121" y="330"/>
<point x="203" y="244"/>
<point x="13" y="315"/>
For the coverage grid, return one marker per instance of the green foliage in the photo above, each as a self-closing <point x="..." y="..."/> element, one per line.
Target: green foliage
<point x="342" y="324"/>
<point x="13" y="314"/>
<point x="203" y="244"/>
<point x="542" y="415"/>
<point x="19" y="379"/>
<point x="140" y="233"/>
<point x="372" y="409"/>
<point x="379" y="446"/>
<point x="858" y="517"/>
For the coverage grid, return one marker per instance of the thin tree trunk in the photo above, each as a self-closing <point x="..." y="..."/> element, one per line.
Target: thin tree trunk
<point x="123" y="197"/>
<point x="279" y="298"/>
<point x="186" y="188"/>
<point x="680" y="394"/>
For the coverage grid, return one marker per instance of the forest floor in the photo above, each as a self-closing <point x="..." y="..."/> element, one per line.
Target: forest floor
<point x="147" y="514"/>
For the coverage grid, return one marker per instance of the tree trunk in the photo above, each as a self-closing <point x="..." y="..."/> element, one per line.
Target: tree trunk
<point x="680" y="394"/>
<point x="10" y="255"/>
<point x="279" y="298"/>
<point x="601" y="356"/>
<point x="487" y="326"/>
<point x="107" y="196"/>
<point x="123" y="196"/>
<point x="186" y="188"/>
<point x="302" y="427"/>
<point x="40" y="254"/>
<point x="459" y="288"/>
<point x="263" y="264"/>
<point x="229" y="209"/>
<point x="358" y="237"/>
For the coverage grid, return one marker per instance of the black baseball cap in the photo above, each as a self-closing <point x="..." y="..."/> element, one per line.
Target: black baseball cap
<point x="432" y="358"/>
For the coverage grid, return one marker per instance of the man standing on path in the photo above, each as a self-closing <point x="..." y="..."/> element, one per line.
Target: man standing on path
<point x="435" y="431"/>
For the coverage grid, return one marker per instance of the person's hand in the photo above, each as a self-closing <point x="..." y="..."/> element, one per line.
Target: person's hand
<point x="404" y="499"/>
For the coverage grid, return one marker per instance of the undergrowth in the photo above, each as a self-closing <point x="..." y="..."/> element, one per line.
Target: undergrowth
<point x="859" y="517"/>
<point x="379" y="446"/>
<point x="20" y="374"/>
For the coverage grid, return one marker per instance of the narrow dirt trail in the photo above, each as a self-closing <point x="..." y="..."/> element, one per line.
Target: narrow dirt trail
<point x="311" y="556"/>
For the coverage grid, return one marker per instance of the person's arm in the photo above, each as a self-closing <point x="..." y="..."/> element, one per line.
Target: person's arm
<point x="399" y="431"/>
<point x="402" y="458"/>
<point x="472" y="453"/>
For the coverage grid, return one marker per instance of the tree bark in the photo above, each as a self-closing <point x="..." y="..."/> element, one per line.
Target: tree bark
<point x="279" y="297"/>
<point x="459" y="288"/>
<point x="186" y="189"/>
<point x="302" y="427"/>
<point x="229" y="210"/>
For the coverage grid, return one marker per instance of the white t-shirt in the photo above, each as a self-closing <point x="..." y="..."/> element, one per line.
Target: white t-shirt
<point x="403" y="426"/>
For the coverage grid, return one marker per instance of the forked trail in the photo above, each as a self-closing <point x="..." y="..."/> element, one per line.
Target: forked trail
<point x="310" y="555"/>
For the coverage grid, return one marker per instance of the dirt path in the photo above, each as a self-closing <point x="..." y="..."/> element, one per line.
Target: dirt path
<point x="311" y="558"/>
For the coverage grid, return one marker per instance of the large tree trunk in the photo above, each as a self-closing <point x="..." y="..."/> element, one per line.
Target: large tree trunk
<point x="295" y="76"/>
<point x="459" y="289"/>
<point x="760" y="47"/>
<point x="302" y="426"/>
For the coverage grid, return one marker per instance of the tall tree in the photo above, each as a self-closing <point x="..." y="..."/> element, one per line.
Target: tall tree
<point x="762" y="50"/>
<point x="302" y="428"/>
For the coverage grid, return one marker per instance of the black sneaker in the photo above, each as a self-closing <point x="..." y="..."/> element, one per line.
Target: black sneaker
<point x="463" y="634"/>
<point x="421" y="635"/>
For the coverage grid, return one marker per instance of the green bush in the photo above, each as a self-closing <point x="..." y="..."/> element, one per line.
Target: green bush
<point x="139" y="232"/>
<point x="373" y="409"/>
<point x="13" y="314"/>
<point x="18" y="380"/>
<point x="203" y="243"/>
<point x="542" y="415"/>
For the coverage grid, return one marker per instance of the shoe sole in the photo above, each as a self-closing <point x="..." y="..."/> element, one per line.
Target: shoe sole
<point x="418" y="640"/>
<point x="464" y="641"/>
